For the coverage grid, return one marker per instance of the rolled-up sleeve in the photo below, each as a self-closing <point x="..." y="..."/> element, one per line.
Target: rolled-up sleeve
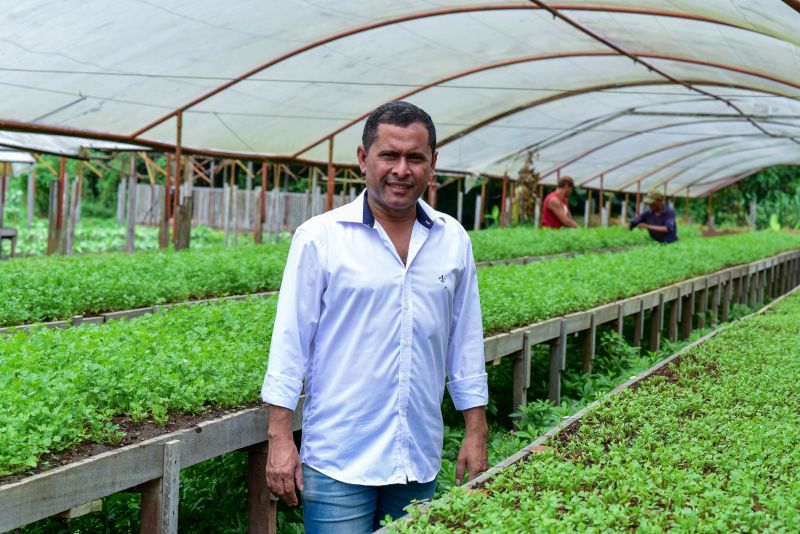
<point x="467" y="380"/>
<point x="295" y="321"/>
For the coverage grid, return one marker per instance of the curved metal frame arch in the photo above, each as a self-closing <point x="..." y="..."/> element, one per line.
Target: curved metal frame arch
<point x="421" y="15"/>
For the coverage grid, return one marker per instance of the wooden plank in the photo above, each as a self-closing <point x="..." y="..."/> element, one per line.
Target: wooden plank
<point x="620" y="323"/>
<point x="558" y="356"/>
<point x="53" y="491"/>
<point x="497" y="346"/>
<point x="78" y="511"/>
<point x="589" y="343"/>
<point x="545" y="331"/>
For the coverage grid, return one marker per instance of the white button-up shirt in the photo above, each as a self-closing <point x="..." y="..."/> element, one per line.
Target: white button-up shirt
<point x="375" y="340"/>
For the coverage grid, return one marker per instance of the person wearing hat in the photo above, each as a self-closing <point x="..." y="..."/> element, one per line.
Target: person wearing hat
<point x="658" y="219"/>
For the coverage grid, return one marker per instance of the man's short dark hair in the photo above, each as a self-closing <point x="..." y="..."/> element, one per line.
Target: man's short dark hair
<point x="397" y="113"/>
<point x="565" y="181"/>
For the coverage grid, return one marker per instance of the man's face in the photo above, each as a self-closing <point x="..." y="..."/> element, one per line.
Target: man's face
<point x="568" y="191"/>
<point x="656" y="206"/>
<point x="397" y="167"/>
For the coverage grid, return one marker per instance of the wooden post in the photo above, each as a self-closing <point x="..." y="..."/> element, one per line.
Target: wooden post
<point x="277" y="213"/>
<point x="702" y="306"/>
<point x="159" y="511"/>
<point x="558" y="358"/>
<point x="3" y="180"/>
<point x="656" y="320"/>
<point x="72" y="218"/>
<point x="235" y="203"/>
<point x="762" y="282"/>
<point x="726" y="300"/>
<point x="638" y="330"/>
<point x="687" y="315"/>
<point x="31" y="195"/>
<point x="130" y="230"/>
<point x="52" y="217"/>
<point x="163" y="219"/>
<point x="503" y="202"/>
<point x="226" y="213"/>
<point x="262" y="507"/>
<point x="716" y="293"/>
<point x="521" y="374"/>
<point x="589" y="344"/>
<point x="331" y="176"/>
<point x="600" y="203"/>
<point x="483" y="199"/>
<point x="62" y="171"/>
<point x="620" y="322"/>
<point x="258" y="227"/>
<point x="710" y="211"/>
<point x="178" y="175"/>
<point x="672" y="329"/>
<point x="687" y="205"/>
<point x="588" y="210"/>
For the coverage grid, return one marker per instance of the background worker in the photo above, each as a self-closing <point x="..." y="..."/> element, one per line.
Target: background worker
<point x="658" y="219"/>
<point x="556" y="208"/>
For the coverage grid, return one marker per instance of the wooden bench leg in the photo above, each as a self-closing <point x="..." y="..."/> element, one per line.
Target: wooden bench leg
<point x="638" y="325"/>
<point x="521" y="374"/>
<point x="589" y="345"/>
<point x="262" y="506"/>
<point x="558" y="359"/>
<point x="687" y="315"/>
<point x="656" y="321"/>
<point x="159" y="512"/>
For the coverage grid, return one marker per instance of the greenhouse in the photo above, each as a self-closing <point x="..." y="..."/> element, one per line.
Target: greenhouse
<point x="177" y="187"/>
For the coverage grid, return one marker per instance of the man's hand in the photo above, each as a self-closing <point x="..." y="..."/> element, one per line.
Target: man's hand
<point x="284" y="470"/>
<point x="472" y="457"/>
<point x="644" y="226"/>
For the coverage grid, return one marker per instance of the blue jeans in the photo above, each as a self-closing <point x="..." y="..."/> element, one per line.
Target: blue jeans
<point x="333" y="507"/>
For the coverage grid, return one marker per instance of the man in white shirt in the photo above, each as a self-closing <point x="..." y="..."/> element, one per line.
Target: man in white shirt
<point x="378" y="306"/>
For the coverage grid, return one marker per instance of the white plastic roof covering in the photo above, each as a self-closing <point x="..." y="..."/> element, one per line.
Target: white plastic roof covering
<point x="58" y="144"/>
<point x="8" y="155"/>
<point x="641" y="92"/>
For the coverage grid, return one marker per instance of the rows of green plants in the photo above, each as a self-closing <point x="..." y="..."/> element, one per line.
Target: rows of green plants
<point x="51" y="288"/>
<point x="521" y="241"/>
<point x="62" y="386"/>
<point x="58" y="287"/>
<point x="708" y="446"/>
<point x="543" y="290"/>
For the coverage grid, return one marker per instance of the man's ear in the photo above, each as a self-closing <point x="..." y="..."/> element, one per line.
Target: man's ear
<point x="433" y="160"/>
<point x="361" y="153"/>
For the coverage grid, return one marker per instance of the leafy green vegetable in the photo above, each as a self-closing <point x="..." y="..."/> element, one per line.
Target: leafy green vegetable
<point x="62" y="387"/>
<point x="520" y="241"/>
<point x="708" y="446"/>
<point x="513" y="295"/>
<point x="50" y="288"/>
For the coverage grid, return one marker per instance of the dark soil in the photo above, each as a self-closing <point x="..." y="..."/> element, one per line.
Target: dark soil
<point x="135" y="432"/>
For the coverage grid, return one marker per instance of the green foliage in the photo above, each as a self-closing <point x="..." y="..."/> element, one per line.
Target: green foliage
<point x="53" y="288"/>
<point x="710" y="447"/>
<point x="520" y="241"/>
<point x="49" y="288"/>
<point x="543" y="290"/>
<point x="62" y="387"/>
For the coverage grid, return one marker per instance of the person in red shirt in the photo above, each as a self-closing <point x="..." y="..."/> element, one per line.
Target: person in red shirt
<point x="556" y="208"/>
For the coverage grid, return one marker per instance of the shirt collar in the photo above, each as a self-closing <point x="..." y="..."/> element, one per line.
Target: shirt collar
<point x="359" y="211"/>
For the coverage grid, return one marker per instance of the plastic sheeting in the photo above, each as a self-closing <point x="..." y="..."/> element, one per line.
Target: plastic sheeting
<point x="713" y="92"/>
